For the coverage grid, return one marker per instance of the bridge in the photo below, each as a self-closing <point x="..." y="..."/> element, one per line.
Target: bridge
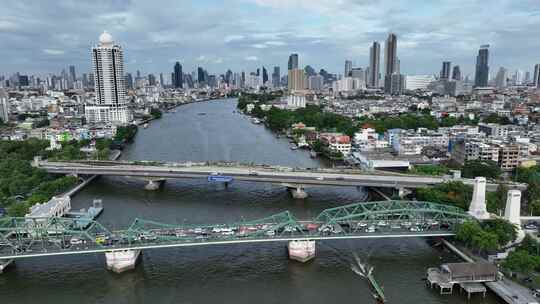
<point x="296" y="179"/>
<point x="39" y="237"/>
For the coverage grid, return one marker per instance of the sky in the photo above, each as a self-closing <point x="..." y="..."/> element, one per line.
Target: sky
<point x="48" y="35"/>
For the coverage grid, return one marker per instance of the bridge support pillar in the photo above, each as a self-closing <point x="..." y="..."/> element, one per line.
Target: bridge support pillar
<point x="4" y="264"/>
<point x="478" y="202"/>
<point x="298" y="192"/>
<point x="154" y="184"/>
<point x="122" y="260"/>
<point x="512" y="212"/>
<point x="301" y="251"/>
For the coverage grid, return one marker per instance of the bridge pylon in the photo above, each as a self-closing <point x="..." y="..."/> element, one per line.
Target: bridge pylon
<point x="478" y="207"/>
<point x="122" y="260"/>
<point x="301" y="251"/>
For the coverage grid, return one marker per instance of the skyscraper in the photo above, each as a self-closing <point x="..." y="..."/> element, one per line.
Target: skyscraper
<point x="390" y="55"/>
<point x="293" y="61"/>
<point x="391" y="66"/>
<point x="276" y="77"/>
<point x="374" y="64"/>
<point x="178" y="76"/>
<point x="72" y="75"/>
<point x="110" y="104"/>
<point x="295" y="76"/>
<point x="348" y="68"/>
<point x="4" y="106"/>
<point x="536" y="80"/>
<point x="482" y="67"/>
<point x="456" y="73"/>
<point x="161" y="80"/>
<point x="501" y="78"/>
<point x="264" y="75"/>
<point x="445" y="71"/>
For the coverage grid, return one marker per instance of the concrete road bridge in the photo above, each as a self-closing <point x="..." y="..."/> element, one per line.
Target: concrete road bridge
<point x="295" y="179"/>
<point x="38" y="237"/>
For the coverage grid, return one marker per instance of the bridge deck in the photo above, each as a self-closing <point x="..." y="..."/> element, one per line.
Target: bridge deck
<point x="282" y="175"/>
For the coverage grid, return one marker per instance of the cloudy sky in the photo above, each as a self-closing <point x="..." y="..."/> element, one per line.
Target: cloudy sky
<point x="47" y="35"/>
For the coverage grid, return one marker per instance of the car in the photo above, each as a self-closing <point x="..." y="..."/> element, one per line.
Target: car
<point x="254" y="173"/>
<point x="319" y="178"/>
<point x="214" y="173"/>
<point x="76" y="241"/>
<point x="531" y="226"/>
<point x="340" y="178"/>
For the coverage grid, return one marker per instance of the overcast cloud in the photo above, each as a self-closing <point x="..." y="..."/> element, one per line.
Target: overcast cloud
<point x="46" y="36"/>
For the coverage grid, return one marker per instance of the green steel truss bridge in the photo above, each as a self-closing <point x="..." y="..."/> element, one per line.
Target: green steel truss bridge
<point x="24" y="237"/>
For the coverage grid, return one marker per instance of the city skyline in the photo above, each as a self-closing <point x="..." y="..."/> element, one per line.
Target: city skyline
<point x="246" y="36"/>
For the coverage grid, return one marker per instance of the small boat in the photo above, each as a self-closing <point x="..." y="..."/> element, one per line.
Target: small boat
<point x="145" y="125"/>
<point x="201" y="113"/>
<point x="256" y="121"/>
<point x="312" y="154"/>
<point x="294" y="147"/>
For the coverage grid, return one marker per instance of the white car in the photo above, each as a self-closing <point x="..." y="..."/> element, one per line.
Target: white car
<point x="320" y="178"/>
<point x="270" y="233"/>
<point x="76" y="241"/>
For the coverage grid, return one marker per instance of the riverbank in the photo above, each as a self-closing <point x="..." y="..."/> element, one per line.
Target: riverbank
<point x="507" y="290"/>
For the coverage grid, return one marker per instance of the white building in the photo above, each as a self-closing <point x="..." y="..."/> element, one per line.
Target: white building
<point x="348" y="84"/>
<point x="416" y="82"/>
<point x="110" y="105"/>
<point x="366" y="139"/>
<point x="4" y="106"/>
<point x="295" y="101"/>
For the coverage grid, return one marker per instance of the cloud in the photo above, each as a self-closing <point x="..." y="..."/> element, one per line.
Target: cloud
<point x="53" y="52"/>
<point x="232" y="38"/>
<point x="229" y="32"/>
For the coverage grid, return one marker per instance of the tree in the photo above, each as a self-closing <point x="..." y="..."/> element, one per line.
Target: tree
<point x="485" y="168"/>
<point x="505" y="231"/>
<point x="520" y="261"/>
<point x="467" y="231"/>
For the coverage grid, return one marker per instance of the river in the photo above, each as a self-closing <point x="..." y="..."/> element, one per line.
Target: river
<point x="247" y="273"/>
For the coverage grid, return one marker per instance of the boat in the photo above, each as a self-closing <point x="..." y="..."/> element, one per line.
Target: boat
<point x="145" y="125"/>
<point x="294" y="147"/>
<point x="201" y="113"/>
<point x="312" y="154"/>
<point x="255" y="121"/>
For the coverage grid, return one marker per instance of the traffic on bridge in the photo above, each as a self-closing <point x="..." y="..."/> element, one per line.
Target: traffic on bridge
<point x="23" y="237"/>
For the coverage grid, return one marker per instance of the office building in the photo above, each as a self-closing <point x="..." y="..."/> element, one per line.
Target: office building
<point x="536" y="79"/>
<point x="296" y="80"/>
<point x="177" y="79"/>
<point x="293" y="62"/>
<point x="348" y="68"/>
<point x="445" y="71"/>
<point x="456" y="73"/>
<point x="501" y="78"/>
<point x="374" y="64"/>
<point x="390" y="55"/>
<point x="482" y="67"/>
<point x="110" y="105"/>
<point x="276" y="77"/>
<point x="315" y="82"/>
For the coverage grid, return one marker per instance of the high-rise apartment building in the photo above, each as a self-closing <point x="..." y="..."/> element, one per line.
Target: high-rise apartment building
<point x="4" y="106"/>
<point x="390" y="55"/>
<point x="374" y="64"/>
<point x="109" y="83"/>
<point x="295" y="76"/>
<point x="482" y="67"/>
<point x="501" y="78"/>
<point x="391" y="66"/>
